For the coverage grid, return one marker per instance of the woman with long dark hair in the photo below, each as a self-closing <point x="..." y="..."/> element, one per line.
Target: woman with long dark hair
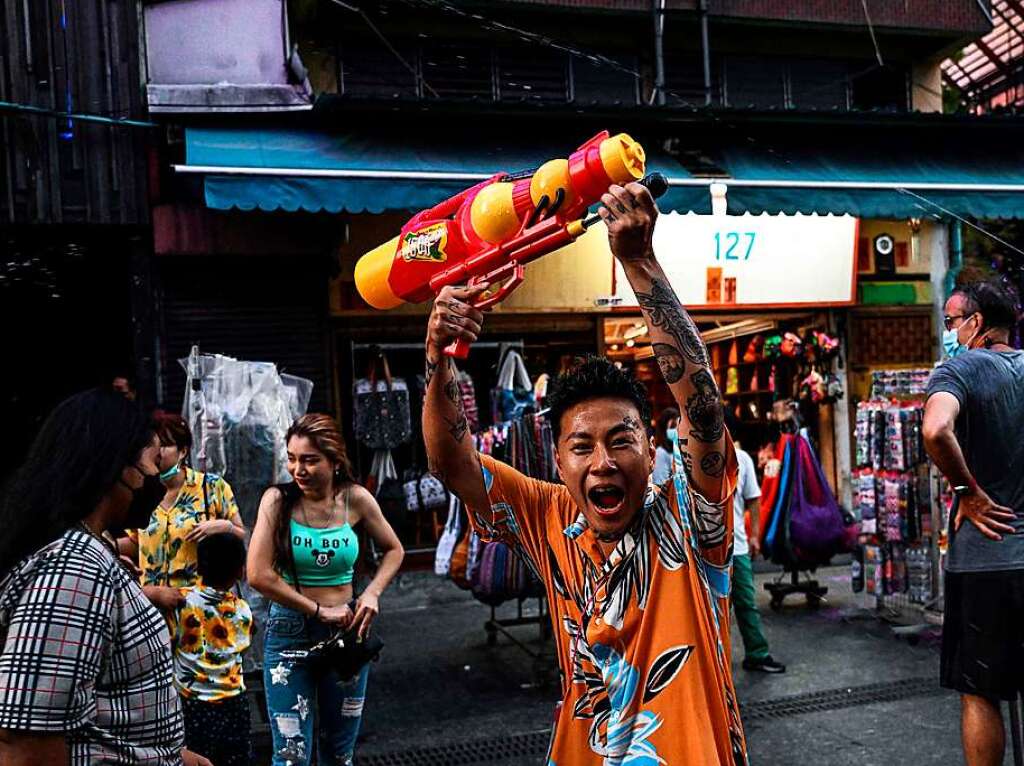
<point x="85" y="663"/>
<point x="301" y="557"/>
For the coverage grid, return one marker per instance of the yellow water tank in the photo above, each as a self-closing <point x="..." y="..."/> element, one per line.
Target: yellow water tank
<point x="372" y="272"/>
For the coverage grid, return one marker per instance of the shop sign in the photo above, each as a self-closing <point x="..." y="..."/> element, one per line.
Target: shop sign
<point x="750" y="261"/>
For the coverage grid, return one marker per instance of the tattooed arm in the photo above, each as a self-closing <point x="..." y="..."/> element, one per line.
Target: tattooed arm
<point x="451" y="456"/>
<point x="630" y="214"/>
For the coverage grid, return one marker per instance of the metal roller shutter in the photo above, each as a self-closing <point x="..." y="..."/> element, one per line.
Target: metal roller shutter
<point x="257" y="308"/>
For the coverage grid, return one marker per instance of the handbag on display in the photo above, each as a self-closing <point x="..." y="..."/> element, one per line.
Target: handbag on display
<point x="424" y="492"/>
<point x="381" y="413"/>
<point x="389" y="492"/>
<point x="513" y="394"/>
<point x="450" y="536"/>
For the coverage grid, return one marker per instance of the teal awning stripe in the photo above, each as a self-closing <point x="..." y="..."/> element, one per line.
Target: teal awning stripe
<point x="313" y="150"/>
<point x="898" y="159"/>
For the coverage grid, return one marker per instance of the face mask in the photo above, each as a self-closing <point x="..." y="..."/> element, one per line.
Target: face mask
<point x="672" y="434"/>
<point x="145" y="499"/>
<point x="171" y="472"/>
<point x="951" y="344"/>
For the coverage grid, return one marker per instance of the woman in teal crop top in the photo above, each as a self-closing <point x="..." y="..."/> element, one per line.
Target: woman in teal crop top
<point x="301" y="557"/>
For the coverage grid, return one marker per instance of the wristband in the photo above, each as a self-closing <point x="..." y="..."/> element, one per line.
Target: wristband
<point x="316" y="614"/>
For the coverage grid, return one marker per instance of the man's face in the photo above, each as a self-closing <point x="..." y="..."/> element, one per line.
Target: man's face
<point x="605" y="458"/>
<point x="960" y="318"/>
<point x="124" y="386"/>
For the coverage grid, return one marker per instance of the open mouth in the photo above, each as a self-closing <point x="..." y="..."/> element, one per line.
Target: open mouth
<point x="607" y="499"/>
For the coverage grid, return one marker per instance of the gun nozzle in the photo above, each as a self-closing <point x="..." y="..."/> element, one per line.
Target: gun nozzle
<point x="371" y="276"/>
<point x="623" y="158"/>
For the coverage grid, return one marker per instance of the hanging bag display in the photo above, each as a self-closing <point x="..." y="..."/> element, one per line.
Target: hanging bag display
<point x="816" y="524"/>
<point x="389" y="492"/>
<point x="424" y="492"/>
<point x="514" y="393"/>
<point x="450" y="536"/>
<point x="381" y="408"/>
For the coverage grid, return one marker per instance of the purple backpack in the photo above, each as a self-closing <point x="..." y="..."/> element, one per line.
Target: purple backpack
<point x="816" y="527"/>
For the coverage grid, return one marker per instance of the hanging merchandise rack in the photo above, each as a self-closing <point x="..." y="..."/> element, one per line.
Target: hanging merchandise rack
<point x="902" y="502"/>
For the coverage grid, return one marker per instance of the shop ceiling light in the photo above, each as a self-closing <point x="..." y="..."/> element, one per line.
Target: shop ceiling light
<point x="739" y="329"/>
<point x="635" y="331"/>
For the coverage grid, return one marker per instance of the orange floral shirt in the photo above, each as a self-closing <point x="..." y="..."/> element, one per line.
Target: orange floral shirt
<point x="642" y="635"/>
<point x="210" y="631"/>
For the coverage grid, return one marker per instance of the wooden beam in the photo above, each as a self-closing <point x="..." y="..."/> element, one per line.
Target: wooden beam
<point x="992" y="57"/>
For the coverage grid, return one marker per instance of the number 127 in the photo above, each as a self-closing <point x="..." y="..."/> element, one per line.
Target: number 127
<point x="731" y="243"/>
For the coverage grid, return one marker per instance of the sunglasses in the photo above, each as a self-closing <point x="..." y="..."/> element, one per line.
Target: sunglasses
<point x="948" y="320"/>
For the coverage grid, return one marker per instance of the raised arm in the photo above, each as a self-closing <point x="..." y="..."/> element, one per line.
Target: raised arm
<point x="630" y="213"/>
<point x="451" y="456"/>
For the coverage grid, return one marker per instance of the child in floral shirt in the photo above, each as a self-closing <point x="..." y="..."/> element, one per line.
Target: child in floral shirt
<point x="212" y="629"/>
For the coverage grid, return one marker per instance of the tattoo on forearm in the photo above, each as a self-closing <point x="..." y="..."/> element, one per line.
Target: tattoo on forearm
<point x="670" y="361"/>
<point x="704" y="408"/>
<point x="436" y="471"/>
<point x="458" y="427"/>
<point x="664" y="310"/>
<point x="451" y="392"/>
<point x="431" y="370"/>
<point x="713" y="464"/>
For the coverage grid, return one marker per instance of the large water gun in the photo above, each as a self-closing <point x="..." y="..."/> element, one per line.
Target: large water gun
<point x="488" y="233"/>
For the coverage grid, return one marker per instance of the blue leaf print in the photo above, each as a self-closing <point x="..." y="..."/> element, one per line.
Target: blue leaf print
<point x="620" y="678"/>
<point x="626" y="738"/>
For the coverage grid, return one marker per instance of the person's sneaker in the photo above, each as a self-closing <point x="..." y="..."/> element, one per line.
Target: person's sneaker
<point x="765" y="665"/>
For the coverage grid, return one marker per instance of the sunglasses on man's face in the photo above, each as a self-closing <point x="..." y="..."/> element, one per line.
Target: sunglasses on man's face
<point x="949" y="320"/>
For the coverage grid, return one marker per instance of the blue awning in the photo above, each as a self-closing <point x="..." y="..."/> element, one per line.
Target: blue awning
<point x="899" y="174"/>
<point x="385" y="172"/>
<point x="895" y="174"/>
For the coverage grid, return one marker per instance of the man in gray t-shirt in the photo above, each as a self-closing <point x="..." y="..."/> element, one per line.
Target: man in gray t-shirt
<point x="974" y="432"/>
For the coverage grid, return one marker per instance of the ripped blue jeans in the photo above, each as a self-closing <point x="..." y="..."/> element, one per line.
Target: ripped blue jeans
<point x="296" y="695"/>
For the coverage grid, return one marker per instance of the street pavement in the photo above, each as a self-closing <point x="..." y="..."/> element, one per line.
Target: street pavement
<point x="855" y="694"/>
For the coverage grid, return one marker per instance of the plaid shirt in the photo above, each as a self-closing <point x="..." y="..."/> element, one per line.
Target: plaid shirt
<point x="86" y="655"/>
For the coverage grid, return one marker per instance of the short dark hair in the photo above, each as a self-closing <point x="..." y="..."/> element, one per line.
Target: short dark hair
<point x="172" y="429"/>
<point x="594" y="378"/>
<point x="76" y="458"/>
<point x="997" y="303"/>
<point x="219" y="557"/>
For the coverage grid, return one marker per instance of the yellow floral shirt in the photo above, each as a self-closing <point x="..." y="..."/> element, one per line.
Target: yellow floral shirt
<point x="211" y="631"/>
<point x="165" y="556"/>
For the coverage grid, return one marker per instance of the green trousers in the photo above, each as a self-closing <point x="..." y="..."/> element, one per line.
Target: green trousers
<point x="755" y="645"/>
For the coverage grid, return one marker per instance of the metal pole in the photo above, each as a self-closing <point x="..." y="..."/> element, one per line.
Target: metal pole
<point x="657" y="12"/>
<point x="1015" y="731"/>
<point x="424" y="175"/>
<point x="705" y="50"/>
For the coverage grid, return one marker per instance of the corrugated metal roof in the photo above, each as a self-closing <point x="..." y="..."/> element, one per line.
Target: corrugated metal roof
<point x="993" y="66"/>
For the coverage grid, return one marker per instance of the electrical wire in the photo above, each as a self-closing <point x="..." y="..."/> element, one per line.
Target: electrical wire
<point x="961" y="219"/>
<point x="871" y="31"/>
<point x="387" y="43"/>
<point x="10" y="106"/>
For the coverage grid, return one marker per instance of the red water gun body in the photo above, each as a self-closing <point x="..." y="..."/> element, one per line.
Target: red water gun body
<point x="489" y="232"/>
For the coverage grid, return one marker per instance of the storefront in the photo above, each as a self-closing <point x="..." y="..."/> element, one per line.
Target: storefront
<point x="867" y="270"/>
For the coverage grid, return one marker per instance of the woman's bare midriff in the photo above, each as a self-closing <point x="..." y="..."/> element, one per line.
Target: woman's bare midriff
<point x="329" y="595"/>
